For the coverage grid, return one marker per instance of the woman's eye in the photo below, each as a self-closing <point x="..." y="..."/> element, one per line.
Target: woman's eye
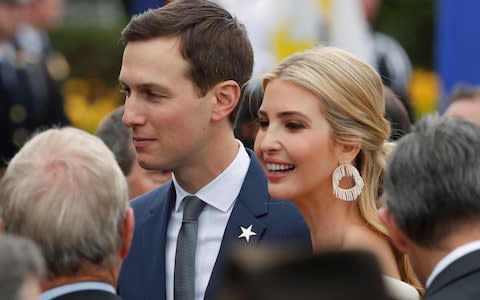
<point x="294" y="125"/>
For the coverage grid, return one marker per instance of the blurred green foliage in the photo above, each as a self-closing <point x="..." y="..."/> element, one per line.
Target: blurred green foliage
<point x="94" y="55"/>
<point x="92" y="52"/>
<point x="411" y="23"/>
<point x="97" y="51"/>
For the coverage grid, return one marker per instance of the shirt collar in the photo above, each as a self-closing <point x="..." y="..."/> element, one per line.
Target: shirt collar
<point x="7" y="52"/>
<point x="222" y="191"/>
<point x="450" y="258"/>
<point x="75" y="287"/>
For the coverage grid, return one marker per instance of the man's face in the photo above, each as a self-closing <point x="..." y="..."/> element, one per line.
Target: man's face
<point x="11" y="16"/>
<point x="468" y="109"/>
<point x="170" y="121"/>
<point x="46" y="14"/>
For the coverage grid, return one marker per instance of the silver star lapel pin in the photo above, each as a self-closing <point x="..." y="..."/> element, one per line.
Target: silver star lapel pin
<point x="246" y="233"/>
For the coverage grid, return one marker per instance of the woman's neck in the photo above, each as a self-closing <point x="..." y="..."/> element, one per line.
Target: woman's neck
<point x="328" y="219"/>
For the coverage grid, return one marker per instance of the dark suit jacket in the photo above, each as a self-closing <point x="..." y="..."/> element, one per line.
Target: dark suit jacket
<point x="31" y="89"/>
<point x="459" y="281"/>
<point x="88" y="295"/>
<point x="143" y="272"/>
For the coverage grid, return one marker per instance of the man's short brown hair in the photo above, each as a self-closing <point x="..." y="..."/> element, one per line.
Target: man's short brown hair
<point x="214" y="43"/>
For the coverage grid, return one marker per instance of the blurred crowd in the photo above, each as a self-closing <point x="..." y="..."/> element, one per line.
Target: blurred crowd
<point x="31" y="72"/>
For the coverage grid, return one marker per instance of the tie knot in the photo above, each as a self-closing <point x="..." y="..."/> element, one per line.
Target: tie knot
<point x="192" y="208"/>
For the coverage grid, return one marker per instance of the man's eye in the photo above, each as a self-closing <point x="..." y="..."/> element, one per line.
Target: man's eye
<point x="262" y="123"/>
<point x="125" y="92"/>
<point x="154" y="95"/>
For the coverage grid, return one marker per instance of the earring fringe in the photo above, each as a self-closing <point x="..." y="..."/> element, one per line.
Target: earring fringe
<point x="351" y="193"/>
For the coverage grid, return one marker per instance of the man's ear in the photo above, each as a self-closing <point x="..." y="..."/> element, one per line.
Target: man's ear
<point x="227" y="94"/>
<point x="128" y="226"/>
<point x="398" y="238"/>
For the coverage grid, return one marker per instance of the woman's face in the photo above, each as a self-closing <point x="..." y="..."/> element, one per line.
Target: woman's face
<point x="294" y="143"/>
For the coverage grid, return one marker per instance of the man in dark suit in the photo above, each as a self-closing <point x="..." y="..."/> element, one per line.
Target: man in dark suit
<point x="30" y="83"/>
<point x="12" y="14"/>
<point x="432" y="196"/>
<point x="182" y="69"/>
<point x="65" y="191"/>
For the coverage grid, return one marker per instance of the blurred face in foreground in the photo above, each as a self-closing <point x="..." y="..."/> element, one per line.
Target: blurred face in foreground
<point x="11" y="16"/>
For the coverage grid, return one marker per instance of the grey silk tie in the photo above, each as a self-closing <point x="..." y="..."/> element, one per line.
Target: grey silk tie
<point x="184" y="273"/>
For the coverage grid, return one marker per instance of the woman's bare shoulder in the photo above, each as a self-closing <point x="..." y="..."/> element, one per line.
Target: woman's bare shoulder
<point x="364" y="238"/>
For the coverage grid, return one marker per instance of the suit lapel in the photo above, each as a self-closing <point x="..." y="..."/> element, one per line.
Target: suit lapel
<point x="154" y="233"/>
<point x="251" y="204"/>
<point x="460" y="268"/>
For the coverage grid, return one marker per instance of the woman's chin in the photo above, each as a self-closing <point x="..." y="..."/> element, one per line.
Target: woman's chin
<point x="277" y="193"/>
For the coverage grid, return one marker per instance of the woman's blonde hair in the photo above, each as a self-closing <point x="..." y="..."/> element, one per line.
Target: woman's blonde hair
<point x="352" y="100"/>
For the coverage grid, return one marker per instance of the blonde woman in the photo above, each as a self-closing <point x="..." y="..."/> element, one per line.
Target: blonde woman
<point x="322" y="143"/>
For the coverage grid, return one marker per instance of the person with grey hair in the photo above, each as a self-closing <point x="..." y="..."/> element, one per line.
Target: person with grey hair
<point x="21" y="268"/>
<point x="465" y="103"/>
<point x="432" y="212"/>
<point x="118" y="138"/>
<point x="65" y="191"/>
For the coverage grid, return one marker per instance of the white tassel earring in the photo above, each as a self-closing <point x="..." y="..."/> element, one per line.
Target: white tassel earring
<point x="351" y="193"/>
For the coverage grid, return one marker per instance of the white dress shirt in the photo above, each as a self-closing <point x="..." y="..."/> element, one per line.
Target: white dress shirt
<point x="219" y="195"/>
<point x="76" y="287"/>
<point x="450" y="258"/>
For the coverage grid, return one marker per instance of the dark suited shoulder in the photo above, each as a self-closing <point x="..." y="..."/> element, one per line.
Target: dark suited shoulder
<point x="287" y="224"/>
<point x="145" y="204"/>
<point x="89" y="295"/>
<point x="142" y="275"/>
<point x="459" y="281"/>
<point x="273" y="222"/>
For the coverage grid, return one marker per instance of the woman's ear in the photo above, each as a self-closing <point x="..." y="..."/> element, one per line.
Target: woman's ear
<point x="346" y="153"/>
<point x="227" y="94"/>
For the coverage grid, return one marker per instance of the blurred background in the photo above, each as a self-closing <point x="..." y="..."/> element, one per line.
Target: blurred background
<point x="428" y="31"/>
<point x="89" y="38"/>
